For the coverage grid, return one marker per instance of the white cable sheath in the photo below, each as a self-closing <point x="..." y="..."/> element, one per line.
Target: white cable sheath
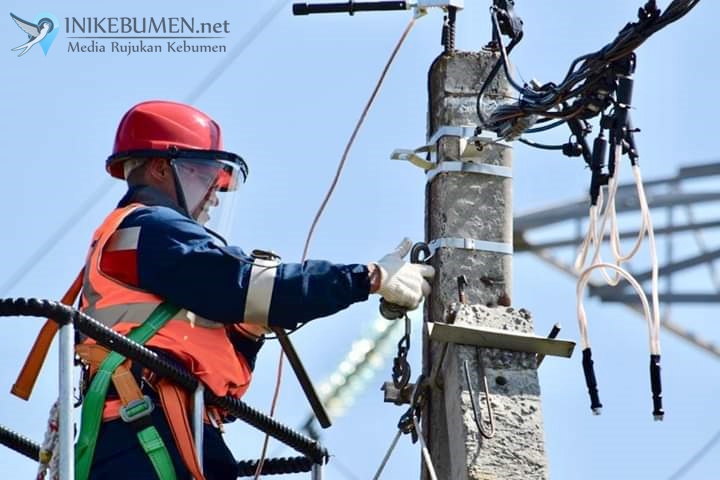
<point x="655" y="335"/>
<point x="599" y="216"/>
<point x="582" y="283"/>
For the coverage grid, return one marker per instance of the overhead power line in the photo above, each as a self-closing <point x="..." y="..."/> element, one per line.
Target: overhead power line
<point x="54" y="239"/>
<point x="687" y="466"/>
<point x="240" y="47"/>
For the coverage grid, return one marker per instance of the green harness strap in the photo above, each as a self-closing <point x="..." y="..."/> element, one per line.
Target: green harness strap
<point x="95" y="400"/>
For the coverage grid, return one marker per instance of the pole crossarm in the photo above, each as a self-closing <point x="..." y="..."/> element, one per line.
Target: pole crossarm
<point x="63" y="314"/>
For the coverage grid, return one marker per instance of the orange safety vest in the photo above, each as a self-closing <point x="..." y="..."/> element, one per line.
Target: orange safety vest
<point x="201" y="345"/>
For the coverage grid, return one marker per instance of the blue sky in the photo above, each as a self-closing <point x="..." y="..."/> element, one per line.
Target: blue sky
<point x="288" y="104"/>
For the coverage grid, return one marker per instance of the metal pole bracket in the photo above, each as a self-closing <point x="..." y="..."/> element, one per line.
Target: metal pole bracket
<point x="468" y="147"/>
<point x="470" y="244"/>
<point x="496" y="338"/>
<point x="421" y="6"/>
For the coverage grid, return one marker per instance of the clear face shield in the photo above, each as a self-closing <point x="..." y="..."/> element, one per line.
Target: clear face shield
<point x="206" y="184"/>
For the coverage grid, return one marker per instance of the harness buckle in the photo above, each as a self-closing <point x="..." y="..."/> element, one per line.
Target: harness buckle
<point x="137" y="409"/>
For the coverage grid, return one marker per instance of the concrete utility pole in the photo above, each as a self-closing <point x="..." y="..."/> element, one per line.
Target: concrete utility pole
<point x="469" y="219"/>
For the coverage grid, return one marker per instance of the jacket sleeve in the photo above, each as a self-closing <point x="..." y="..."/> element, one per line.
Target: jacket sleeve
<point x="178" y="260"/>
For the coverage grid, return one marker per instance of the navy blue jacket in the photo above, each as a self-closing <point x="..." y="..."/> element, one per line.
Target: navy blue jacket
<point x="178" y="260"/>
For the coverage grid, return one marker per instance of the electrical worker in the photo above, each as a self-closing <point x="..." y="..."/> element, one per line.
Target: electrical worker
<point x="156" y="273"/>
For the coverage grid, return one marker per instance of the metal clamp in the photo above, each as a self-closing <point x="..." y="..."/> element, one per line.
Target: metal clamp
<point x="469" y="167"/>
<point x="421" y="6"/>
<point x="467" y="132"/>
<point x="467" y="136"/>
<point x="471" y="244"/>
<point x="265" y="258"/>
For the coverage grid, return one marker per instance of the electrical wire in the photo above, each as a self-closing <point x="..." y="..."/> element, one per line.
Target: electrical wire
<point x="239" y="47"/>
<point x="361" y="120"/>
<point x="582" y="283"/>
<point x="541" y="146"/>
<point x="58" y="234"/>
<point x="325" y="201"/>
<point x="586" y="74"/>
<point x="106" y="186"/>
<point x="654" y="286"/>
<point x="595" y="238"/>
<point x="687" y="466"/>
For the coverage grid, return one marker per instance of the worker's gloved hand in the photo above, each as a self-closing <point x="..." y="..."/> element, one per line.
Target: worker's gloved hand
<point x="403" y="283"/>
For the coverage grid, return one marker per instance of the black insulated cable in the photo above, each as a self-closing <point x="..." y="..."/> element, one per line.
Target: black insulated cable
<point x="591" y="382"/>
<point x="541" y="146"/>
<point x="347" y="7"/>
<point x="62" y="314"/>
<point x="20" y="444"/>
<point x="272" y="466"/>
<point x="585" y="77"/>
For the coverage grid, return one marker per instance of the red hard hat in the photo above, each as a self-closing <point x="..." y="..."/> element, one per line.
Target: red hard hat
<point x="162" y="125"/>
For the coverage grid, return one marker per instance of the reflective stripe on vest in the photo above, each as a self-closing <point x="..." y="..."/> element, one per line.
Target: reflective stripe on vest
<point x="199" y="344"/>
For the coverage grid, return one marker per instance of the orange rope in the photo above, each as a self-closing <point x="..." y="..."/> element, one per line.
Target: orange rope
<point x="320" y="211"/>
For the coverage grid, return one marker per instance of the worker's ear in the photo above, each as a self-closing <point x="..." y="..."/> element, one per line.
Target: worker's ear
<point x="159" y="169"/>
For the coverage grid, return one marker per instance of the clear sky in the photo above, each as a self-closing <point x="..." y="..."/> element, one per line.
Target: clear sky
<point x="288" y="104"/>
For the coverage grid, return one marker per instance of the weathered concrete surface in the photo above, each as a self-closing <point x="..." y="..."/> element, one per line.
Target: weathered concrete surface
<point x="516" y="451"/>
<point x="477" y="206"/>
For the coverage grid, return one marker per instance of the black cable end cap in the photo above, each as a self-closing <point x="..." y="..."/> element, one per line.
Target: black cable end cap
<point x="591" y="382"/>
<point x="300" y="9"/>
<point x="656" y="385"/>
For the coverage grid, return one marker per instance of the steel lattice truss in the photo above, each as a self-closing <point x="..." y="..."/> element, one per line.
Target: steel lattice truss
<point x="686" y="216"/>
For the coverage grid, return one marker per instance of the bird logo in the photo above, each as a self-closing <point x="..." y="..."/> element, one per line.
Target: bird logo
<point x="42" y="30"/>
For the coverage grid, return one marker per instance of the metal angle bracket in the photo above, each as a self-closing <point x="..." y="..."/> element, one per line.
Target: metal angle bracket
<point x="502" y="339"/>
<point x="468" y="152"/>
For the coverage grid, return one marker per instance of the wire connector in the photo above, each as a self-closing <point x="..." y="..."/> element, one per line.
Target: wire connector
<point x="591" y="382"/>
<point x="656" y="385"/>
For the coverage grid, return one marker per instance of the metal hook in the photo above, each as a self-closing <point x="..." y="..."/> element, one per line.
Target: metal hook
<point x="490" y="431"/>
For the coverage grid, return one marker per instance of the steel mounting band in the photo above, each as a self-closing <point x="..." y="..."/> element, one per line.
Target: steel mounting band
<point x="467" y="132"/>
<point x="471" y="244"/>
<point x="469" y="167"/>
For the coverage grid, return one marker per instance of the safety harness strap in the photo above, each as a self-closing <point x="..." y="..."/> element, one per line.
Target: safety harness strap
<point x="28" y="375"/>
<point x="175" y="405"/>
<point x="156" y="450"/>
<point x="91" y="416"/>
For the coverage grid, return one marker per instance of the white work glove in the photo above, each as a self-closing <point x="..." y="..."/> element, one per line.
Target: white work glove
<point x="403" y="283"/>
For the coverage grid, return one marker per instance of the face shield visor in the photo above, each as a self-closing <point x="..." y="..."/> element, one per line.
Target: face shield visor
<point x="207" y="185"/>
